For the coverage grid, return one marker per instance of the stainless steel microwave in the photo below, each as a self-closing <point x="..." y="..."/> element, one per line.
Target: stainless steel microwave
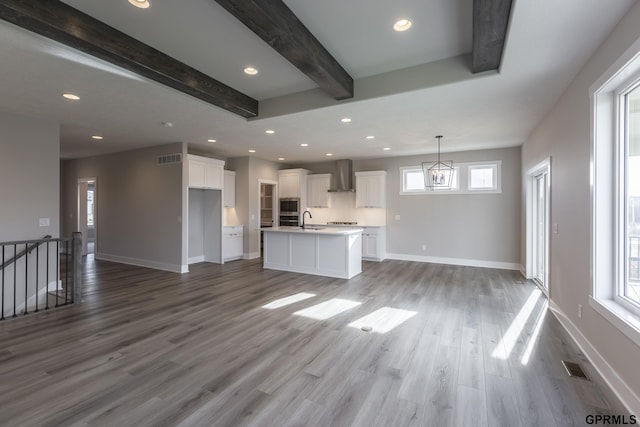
<point x="290" y="206"/>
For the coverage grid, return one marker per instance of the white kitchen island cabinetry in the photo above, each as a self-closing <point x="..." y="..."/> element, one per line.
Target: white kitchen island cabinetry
<point x="331" y="252"/>
<point x="371" y="189"/>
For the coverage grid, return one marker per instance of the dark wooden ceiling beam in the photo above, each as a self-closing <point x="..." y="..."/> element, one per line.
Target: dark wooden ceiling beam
<point x="490" y="23"/>
<point x="277" y="25"/>
<point x="62" y="23"/>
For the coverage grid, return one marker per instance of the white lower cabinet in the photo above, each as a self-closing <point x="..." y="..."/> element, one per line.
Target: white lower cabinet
<point x="374" y="243"/>
<point x="232" y="242"/>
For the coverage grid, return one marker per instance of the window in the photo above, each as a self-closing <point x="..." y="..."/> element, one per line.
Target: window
<point x="615" y="175"/>
<point x="476" y="177"/>
<point x="413" y="181"/>
<point x="629" y="197"/>
<point x="483" y="177"/>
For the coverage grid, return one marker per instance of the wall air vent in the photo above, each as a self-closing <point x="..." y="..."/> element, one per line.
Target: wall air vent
<point x="169" y="159"/>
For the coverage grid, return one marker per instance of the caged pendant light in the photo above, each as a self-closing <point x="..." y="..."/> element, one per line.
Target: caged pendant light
<point x="438" y="175"/>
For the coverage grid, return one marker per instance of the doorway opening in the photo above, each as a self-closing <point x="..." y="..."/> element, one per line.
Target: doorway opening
<point x="87" y="215"/>
<point x="267" y="206"/>
<point x="538" y="218"/>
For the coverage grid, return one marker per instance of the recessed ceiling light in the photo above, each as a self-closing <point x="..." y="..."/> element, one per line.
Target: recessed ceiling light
<point x="71" y="96"/>
<point x="251" y="71"/>
<point x="252" y="151"/>
<point x="280" y="158"/>
<point x="98" y="137"/>
<point x="345" y="120"/>
<point x="167" y="124"/>
<point x="329" y="154"/>
<point x="370" y="137"/>
<point x="142" y="4"/>
<point x="386" y="148"/>
<point x="211" y="140"/>
<point x="270" y="131"/>
<point x="304" y="145"/>
<point x="402" y="25"/>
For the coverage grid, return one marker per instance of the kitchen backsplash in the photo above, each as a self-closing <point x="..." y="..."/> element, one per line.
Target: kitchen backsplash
<point x="343" y="208"/>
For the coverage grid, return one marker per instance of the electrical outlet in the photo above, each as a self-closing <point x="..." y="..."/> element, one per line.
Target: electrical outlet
<point x="579" y="311"/>
<point x="44" y="222"/>
<point x="555" y="228"/>
<point x="397" y="217"/>
<point x="424" y="247"/>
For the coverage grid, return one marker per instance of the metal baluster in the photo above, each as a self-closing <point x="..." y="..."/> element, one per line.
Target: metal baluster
<point x="57" y="268"/>
<point x="15" y="279"/>
<point x="26" y="277"/>
<point x="37" y="274"/>
<point x="66" y="272"/>
<point x="47" y="299"/>
<point x="3" y="271"/>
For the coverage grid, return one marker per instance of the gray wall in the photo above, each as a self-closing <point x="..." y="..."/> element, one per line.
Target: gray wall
<point x="139" y="205"/>
<point x="478" y="227"/>
<point x="564" y="135"/>
<point x="29" y="177"/>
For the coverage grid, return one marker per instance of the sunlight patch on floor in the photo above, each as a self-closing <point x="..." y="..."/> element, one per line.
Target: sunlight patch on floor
<point x="505" y="346"/>
<point x="384" y="319"/>
<point x="534" y="336"/>
<point x="327" y="309"/>
<point x="282" y="302"/>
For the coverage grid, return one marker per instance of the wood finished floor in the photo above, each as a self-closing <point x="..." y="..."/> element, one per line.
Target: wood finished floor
<point x="150" y="348"/>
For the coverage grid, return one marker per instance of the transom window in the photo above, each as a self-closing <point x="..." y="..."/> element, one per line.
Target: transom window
<point x="476" y="177"/>
<point x="483" y="177"/>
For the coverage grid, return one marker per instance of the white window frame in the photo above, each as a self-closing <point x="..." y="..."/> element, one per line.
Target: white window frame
<point x="462" y="171"/>
<point x="606" y="134"/>
<point x="621" y="196"/>
<point x="496" y="166"/>
<point x="403" y="191"/>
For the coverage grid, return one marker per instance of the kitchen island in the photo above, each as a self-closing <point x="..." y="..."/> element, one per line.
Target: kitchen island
<point x="323" y="251"/>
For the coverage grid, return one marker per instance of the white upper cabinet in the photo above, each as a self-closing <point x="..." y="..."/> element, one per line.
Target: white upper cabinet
<point x="229" y="189"/>
<point x="205" y="172"/>
<point x="292" y="183"/>
<point x="318" y="190"/>
<point x="371" y="189"/>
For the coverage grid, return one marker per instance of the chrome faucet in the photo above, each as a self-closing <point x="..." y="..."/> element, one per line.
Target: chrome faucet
<point x="303" y="213"/>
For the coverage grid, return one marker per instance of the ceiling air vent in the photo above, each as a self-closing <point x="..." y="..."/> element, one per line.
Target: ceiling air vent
<point x="169" y="159"/>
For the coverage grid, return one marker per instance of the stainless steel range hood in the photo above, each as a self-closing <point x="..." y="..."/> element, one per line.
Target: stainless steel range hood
<point x="342" y="178"/>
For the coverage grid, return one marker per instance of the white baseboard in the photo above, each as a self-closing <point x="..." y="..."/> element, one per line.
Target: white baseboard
<point x="457" y="261"/>
<point x="610" y="376"/>
<point x="174" y="268"/>
<point x="196" y="259"/>
<point x="251" y="255"/>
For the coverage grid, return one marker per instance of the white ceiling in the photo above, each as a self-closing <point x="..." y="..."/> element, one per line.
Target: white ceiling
<point x="408" y="86"/>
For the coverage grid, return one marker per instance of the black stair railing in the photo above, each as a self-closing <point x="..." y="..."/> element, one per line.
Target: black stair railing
<point x="37" y="275"/>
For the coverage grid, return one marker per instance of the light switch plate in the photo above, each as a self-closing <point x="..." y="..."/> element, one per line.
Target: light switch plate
<point x="45" y="222"/>
<point x="555" y="228"/>
<point x="397" y="217"/>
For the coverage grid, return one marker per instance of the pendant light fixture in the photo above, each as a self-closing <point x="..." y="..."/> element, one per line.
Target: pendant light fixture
<point x="438" y="175"/>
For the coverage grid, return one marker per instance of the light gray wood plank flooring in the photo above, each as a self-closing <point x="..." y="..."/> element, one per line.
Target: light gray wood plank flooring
<point x="151" y="348"/>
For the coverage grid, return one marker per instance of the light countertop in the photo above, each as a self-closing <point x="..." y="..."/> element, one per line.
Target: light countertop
<point x="314" y="229"/>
